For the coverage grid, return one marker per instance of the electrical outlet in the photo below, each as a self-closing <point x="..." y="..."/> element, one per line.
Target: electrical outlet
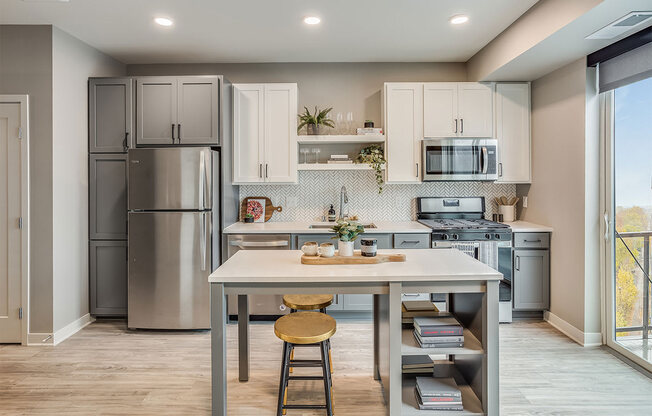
<point x="525" y="202"/>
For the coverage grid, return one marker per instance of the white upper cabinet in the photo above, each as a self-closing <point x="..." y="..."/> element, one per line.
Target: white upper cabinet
<point x="457" y="109"/>
<point x="177" y="110"/>
<point x="403" y="115"/>
<point x="513" y="132"/>
<point x="475" y="109"/>
<point x="264" y="133"/>
<point x="440" y="109"/>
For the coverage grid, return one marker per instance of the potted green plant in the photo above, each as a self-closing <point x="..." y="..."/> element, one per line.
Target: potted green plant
<point x="346" y="232"/>
<point x="314" y="122"/>
<point x="248" y="218"/>
<point x="374" y="156"/>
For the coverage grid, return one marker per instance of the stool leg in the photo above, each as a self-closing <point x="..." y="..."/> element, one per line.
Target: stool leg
<point x="330" y="357"/>
<point x="291" y="357"/>
<point x="327" y="377"/>
<point x="282" y="387"/>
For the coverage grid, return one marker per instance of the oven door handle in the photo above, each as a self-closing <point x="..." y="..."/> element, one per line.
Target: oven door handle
<point x="485" y="159"/>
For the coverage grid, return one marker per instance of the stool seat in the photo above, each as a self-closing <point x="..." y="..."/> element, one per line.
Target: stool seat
<point x="305" y="327"/>
<point x="307" y="302"/>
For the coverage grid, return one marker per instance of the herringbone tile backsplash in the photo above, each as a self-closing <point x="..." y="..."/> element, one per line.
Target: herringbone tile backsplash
<point x="318" y="189"/>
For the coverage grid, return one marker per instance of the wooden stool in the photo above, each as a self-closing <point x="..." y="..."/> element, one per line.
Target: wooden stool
<point x="305" y="329"/>
<point x="309" y="303"/>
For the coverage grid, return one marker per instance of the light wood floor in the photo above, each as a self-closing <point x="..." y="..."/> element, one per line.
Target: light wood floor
<point x="107" y="370"/>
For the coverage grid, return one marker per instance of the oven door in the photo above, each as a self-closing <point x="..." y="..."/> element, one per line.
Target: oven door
<point x="455" y="159"/>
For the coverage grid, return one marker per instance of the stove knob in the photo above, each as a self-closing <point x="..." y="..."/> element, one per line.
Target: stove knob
<point x="487" y="236"/>
<point x="497" y="236"/>
<point x="455" y="236"/>
<point x="444" y="237"/>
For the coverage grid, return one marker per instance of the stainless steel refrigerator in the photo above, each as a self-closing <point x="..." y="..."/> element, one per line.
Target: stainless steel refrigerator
<point x="172" y="208"/>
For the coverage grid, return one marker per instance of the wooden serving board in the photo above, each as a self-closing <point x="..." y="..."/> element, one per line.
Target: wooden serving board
<point x="269" y="208"/>
<point x="357" y="258"/>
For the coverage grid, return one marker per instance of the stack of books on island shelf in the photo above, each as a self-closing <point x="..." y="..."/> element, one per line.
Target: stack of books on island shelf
<point x="412" y="308"/>
<point x="438" y="394"/>
<point x="415" y="364"/>
<point x="340" y="159"/>
<point x="438" y="332"/>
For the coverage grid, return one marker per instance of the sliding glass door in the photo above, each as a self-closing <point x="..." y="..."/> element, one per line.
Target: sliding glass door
<point x="627" y="196"/>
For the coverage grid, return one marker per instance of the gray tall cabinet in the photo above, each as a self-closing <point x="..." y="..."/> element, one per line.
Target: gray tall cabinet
<point x="136" y="112"/>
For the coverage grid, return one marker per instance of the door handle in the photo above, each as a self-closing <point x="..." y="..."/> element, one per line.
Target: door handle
<point x="172" y="133"/>
<point x="202" y="180"/>
<point x="179" y="133"/>
<point x="517" y="263"/>
<point x="485" y="160"/>
<point x="202" y="243"/>
<point x="125" y="143"/>
<point x="461" y="125"/>
<point x="606" y="226"/>
<point x="455" y="126"/>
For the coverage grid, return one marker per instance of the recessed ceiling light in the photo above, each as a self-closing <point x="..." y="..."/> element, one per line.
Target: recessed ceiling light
<point x="163" y="21"/>
<point x="311" y="20"/>
<point x="458" y="19"/>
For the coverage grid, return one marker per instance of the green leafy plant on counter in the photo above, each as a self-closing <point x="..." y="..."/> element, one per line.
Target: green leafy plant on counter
<point x="313" y="121"/>
<point x="374" y="156"/>
<point x="347" y="230"/>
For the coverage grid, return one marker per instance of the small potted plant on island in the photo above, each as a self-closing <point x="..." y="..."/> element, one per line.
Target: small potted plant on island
<point x="314" y="122"/>
<point x="248" y="218"/>
<point x="346" y="233"/>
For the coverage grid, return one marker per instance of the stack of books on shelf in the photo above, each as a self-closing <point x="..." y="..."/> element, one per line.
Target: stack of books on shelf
<point x="340" y="159"/>
<point x="412" y="308"/>
<point x="438" y="332"/>
<point x="416" y="364"/>
<point x="438" y="394"/>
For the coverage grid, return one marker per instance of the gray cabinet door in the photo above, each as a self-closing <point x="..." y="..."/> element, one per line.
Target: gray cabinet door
<point x="108" y="277"/>
<point x="110" y="115"/>
<point x="198" y="109"/>
<point x="156" y="110"/>
<point x="108" y="196"/>
<point x="531" y="279"/>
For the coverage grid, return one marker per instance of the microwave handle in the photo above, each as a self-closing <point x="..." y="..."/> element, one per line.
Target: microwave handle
<point x="485" y="159"/>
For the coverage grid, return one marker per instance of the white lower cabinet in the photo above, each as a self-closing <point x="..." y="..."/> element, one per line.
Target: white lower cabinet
<point x="513" y="132"/>
<point x="264" y="133"/>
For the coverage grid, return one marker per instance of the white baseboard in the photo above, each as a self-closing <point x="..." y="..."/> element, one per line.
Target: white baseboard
<point x="585" y="339"/>
<point x="72" y="328"/>
<point x="42" y="338"/>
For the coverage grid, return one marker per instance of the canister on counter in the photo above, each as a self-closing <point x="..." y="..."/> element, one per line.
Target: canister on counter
<point x="368" y="247"/>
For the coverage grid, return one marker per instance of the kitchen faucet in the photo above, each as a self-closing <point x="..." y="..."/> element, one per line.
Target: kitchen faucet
<point x="344" y="199"/>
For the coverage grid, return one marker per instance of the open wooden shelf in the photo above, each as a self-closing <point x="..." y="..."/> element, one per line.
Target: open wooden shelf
<point x="470" y="402"/>
<point x="333" y="166"/>
<point x="340" y="138"/>
<point x="410" y="346"/>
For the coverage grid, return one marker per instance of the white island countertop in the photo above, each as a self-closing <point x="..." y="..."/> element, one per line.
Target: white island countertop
<point x="284" y="266"/>
<point x="278" y="227"/>
<point x="528" y="227"/>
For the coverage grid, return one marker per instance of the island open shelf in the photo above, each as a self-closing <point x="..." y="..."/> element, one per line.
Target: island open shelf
<point x="472" y="405"/>
<point x="410" y="346"/>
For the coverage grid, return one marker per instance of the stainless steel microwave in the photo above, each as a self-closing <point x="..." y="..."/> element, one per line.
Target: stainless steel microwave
<point x="454" y="159"/>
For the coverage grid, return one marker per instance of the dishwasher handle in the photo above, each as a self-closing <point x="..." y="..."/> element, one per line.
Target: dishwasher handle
<point x="246" y="244"/>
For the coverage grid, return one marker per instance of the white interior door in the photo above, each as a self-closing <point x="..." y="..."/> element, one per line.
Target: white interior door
<point x="440" y="109"/>
<point x="280" y="133"/>
<point x="404" y="128"/>
<point x="10" y="233"/>
<point x="476" y="109"/>
<point x="248" y="133"/>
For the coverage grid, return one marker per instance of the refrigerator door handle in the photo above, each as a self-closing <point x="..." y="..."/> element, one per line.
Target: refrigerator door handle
<point x="202" y="240"/>
<point x="202" y="181"/>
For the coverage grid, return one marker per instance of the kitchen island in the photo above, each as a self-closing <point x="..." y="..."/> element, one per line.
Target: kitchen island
<point x="471" y="285"/>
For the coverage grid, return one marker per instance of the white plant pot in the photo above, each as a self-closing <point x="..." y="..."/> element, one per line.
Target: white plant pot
<point x="345" y="248"/>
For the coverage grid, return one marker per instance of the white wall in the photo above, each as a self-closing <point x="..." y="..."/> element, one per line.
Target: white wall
<point x="73" y="62"/>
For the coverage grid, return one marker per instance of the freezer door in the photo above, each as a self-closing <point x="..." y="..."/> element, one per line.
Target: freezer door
<point x="169" y="264"/>
<point x="170" y="179"/>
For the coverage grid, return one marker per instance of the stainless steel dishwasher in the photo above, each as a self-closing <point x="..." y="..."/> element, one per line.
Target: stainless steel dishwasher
<point x="260" y="306"/>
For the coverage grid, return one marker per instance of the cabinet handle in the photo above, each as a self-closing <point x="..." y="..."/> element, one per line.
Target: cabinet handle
<point x="125" y="143"/>
<point x="531" y="241"/>
<point x="172" y="133"/>
<point x="266" y="170"/>
<point x="517" y="263"/>
<point x="179" y="132"/>
<point x="461" y="125"/>
<point x="455" y="126"/>
<point x="417" y="170"/>
<point x="410" y="242"/>
<point x="260" y="170"/>
<point x="500" y="170"/>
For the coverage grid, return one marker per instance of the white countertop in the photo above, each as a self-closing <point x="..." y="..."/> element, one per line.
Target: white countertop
<point x="284" y="266"/>
<point x="383" y="227"/>
<point x="528" y="227"/>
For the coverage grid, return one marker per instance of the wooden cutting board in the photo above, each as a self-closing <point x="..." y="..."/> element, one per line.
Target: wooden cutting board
<point x="269" y="208"/>
<point x="357" y="258"/>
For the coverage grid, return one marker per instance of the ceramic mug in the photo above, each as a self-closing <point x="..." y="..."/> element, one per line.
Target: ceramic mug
<point x="327" y="250"/>
<point x="310" y="248"/>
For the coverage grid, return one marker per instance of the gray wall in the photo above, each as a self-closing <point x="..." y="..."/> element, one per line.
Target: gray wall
<point x="73" y="62"/>
<point x="26" y="68"/>
<point x="344" y="86"/>
<point x="564" y="189"/>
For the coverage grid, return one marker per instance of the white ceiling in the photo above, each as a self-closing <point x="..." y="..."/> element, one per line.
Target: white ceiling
<point x="273" y="30"/>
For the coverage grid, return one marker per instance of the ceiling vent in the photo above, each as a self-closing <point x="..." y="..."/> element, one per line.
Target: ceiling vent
<point x="622" y="25"/>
